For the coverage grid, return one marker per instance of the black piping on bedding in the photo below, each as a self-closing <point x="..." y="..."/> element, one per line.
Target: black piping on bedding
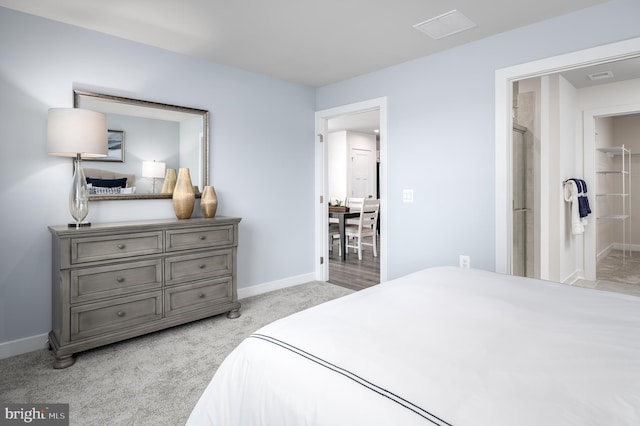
<point x="354" y="377"/>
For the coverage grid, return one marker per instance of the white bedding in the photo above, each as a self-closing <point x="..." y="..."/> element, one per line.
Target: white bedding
<point x="444" y="346"/>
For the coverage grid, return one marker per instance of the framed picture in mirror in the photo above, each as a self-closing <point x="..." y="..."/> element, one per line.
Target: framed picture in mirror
<point x="115" y="147"/>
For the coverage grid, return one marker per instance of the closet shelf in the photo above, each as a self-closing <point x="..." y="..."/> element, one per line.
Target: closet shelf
<point x="623" y="212"/>
<point x="604" y="172"/>
<point x="615" y="216"/>
<point x="612" y="195"/>
<point x="615" y="150"/>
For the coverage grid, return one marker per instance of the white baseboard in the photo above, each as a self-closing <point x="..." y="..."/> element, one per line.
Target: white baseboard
<point x="24" y="345"/>
<point x="630" y="247"/>
<point x="258" y="289"/>
<point x="604" y="253"/>
<point x="617" y="246"/>
<point x="34" y="343"/>
<point x="575" y="276"/>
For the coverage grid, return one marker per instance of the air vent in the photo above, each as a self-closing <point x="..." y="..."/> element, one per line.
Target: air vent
<point x="445" y="25"/>
<point x="600" y="75"/>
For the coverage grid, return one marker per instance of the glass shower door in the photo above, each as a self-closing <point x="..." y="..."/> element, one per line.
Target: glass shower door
<point x="522" y="199"/>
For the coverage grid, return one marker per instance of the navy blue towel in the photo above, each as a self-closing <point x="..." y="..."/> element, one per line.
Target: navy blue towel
<point x="583" y="201"/>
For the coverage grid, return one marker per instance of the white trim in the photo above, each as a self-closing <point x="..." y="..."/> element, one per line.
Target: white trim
<point x="321" y="210"/>
<point x="24" y="345"/>
<point x="604" y="253"/>
<point x="589" y="140"/>
<point x="40" y="341"/>
<point x="504" y="78"/>
<point x="263" y="288"/>
<point x="628" y="247"/>
<point x="575" y="277"/>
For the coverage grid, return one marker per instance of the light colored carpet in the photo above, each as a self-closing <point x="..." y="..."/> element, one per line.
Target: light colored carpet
<point x="154" y="379"/>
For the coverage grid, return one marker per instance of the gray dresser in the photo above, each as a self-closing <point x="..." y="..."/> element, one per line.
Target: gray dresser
<point x="114" y="281"/>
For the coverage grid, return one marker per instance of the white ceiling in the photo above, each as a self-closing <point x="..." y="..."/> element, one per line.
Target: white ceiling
<point x="309" y="42"/>
<point x="620" y="71"/>
<point x="366" y="122"/>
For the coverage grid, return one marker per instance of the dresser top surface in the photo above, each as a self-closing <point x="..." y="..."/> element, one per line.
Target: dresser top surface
<point x="64" y="230"/>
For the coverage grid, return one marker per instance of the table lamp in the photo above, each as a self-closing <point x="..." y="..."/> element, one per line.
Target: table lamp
<point x="78" y="133"/>
<point x="154" y="170"/>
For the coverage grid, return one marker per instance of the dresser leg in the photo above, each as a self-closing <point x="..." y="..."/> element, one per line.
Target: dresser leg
<point x="63" y="361"/>
<point x="235" y="313"/>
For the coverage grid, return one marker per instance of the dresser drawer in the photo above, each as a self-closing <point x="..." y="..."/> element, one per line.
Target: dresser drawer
<point x="115" y="315"/>
<point x="98" y="282"/>
<point x="194" y="238"/>
<point x="91" y="249"/>
<point x="192" y="267"/>
<point x="201" y="295"/>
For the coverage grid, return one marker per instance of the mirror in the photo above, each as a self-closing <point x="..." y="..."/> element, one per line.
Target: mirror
<point x="142" y="131"/>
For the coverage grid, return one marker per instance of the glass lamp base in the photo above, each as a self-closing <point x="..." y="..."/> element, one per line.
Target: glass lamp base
<point x="79" y="225"/>
<point x="79" y="196"/>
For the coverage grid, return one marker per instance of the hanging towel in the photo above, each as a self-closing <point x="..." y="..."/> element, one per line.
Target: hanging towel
<point x="583" y="201"/>
<point x="584" y="197"/>
<point x="571" y="195"/>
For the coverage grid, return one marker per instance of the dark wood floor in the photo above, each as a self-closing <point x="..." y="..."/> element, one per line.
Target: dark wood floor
<point x="353" y="273"/>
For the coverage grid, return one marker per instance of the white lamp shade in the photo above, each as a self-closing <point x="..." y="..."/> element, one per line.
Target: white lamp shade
<point x="153" y="169"/>
<point x="73" y="131"/>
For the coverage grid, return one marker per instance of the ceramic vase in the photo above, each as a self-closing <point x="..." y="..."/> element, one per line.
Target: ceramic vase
<point x="184" y="199"/>
<point x="209" y="202"/>
<point x="169" y="181"/>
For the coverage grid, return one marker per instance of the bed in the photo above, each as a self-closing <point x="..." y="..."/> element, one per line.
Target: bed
<point x="443" y="346"/>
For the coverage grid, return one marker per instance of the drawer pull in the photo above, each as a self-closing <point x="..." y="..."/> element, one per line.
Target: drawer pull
<point x="202" y="296"/>
<point x="121" y="246"/>
<point x="120" y="279"/>
<point x="121" y="314"/>
<point x="202" y="237"/>
<point x="202" y="266"/>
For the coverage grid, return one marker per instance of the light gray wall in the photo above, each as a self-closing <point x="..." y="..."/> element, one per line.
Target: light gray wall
<point x="441" y="132"/>
<point x="144" y="139"/>
<point x="441" y="144"/>
<point x="256" y="123"/>
<point x="190" y="149"/>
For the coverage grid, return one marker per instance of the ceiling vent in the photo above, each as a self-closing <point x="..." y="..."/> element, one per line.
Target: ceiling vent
<point x="445" y="25"/>
<point x="600" y="75"/>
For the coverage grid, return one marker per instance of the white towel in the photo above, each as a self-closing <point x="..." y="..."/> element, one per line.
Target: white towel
<point x="571" y="196"/>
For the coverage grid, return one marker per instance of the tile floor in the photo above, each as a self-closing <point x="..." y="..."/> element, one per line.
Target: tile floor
<point x="614" y="275"/>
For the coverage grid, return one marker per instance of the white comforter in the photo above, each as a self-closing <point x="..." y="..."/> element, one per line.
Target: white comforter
<point x="444" y="346"/>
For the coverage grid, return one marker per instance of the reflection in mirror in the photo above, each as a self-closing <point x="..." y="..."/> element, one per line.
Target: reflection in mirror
<point x="147" y="131"/>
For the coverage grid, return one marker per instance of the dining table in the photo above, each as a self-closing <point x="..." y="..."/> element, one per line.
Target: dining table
<point x="342" y="217"/>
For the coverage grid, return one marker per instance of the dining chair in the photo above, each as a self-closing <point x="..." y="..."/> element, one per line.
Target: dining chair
<point x="355" y="205"/>
<point x="367" y="227"/>
<point x="334" y="234"/>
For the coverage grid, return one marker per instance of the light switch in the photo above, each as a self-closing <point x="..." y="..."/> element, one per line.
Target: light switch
<point x="407" y="195"/>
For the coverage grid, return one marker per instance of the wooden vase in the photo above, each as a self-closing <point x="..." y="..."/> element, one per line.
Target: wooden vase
<point x="169" y="181"/>
<point x="184" y="199"/>
<point x="209" y="201"/>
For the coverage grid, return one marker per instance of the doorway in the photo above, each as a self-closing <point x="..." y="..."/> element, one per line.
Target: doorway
<point x="322" y="182"/>
<point x="503" y="149"/>
<point x="609" y="133"/>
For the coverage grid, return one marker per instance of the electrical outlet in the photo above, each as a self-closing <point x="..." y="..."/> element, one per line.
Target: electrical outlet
<point x="465" y="261"/>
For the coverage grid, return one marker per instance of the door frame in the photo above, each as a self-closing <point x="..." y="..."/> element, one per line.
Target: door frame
<point x="321" y="183"/>
<point x="589" y="126"/>
<point x="504" y="79"/>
